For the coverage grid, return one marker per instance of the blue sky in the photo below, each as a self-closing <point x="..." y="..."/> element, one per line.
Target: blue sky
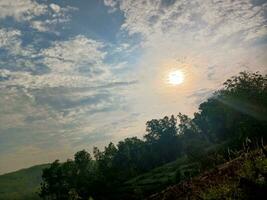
<point x="80" y="73"/>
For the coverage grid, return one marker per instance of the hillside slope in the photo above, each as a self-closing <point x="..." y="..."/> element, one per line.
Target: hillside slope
<point x="231" y="180"/>
<point x="242" y="178"/>
<point x="22" y="184"/>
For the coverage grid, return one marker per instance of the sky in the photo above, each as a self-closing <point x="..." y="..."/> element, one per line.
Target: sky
<point x="75" y="74"/>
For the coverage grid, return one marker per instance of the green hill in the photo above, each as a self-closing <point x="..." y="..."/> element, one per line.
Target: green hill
<point x="22" y="184"/>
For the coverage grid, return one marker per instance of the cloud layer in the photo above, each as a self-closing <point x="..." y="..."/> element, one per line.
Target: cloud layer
<point x="77" y="74"/>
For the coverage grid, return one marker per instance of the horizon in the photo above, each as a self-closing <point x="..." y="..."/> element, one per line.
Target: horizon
<point x="79" y="74"/>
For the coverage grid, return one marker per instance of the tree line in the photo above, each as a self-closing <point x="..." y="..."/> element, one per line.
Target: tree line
<point x="231" y="118"/>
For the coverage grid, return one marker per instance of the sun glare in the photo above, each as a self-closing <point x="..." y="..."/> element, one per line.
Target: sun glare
<point x="176" y="77"/>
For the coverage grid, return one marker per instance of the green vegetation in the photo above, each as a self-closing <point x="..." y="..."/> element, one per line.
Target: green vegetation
<point x="241" y="178"/>
<point x="250" y="182"/>
<point x="23" y="184"/>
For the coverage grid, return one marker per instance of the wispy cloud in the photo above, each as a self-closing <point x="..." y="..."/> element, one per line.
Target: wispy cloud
<point x="212" y="20"/>
<point x="192" y="36"/>
<point x="21" y="10"/>
<point x="30" y="11"/>
<point x="213" y="33"/>
<point x="55" y="91"/>
<point x="77" y="55"/>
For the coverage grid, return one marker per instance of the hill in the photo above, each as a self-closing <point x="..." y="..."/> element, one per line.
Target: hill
<point x="22" y="184"/>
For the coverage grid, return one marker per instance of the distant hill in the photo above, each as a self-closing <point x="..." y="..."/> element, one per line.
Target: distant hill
<point x="22" y="184"/>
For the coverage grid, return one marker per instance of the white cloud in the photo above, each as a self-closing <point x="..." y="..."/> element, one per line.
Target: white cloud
<point x="28" y="10"/>
<point x="191" y="35"/>
<point x="10" y="39"/>
<point x="208" y="20"/>
<point x="217" y="33"/>
<point x="40" y="26"/>
<point x="57" y="15"/>
<point x="78" y="53"/>
<point x="21" y="9"/>
<point x="112" y="4"/>
<point x="77" y="62"/>
<point x="55" y="7"/>
<point x="74" y="63"/>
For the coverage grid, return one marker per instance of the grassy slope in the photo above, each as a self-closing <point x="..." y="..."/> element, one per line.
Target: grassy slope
<point x="152" y="181"/>
<point x="22" y="184"/>
<point x="242" y="178"/>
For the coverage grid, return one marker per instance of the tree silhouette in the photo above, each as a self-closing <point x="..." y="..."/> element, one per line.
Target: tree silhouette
<point x="232" y="115"/>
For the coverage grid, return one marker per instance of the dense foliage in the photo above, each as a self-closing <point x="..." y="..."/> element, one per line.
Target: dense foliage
<point x="232" y="118"/>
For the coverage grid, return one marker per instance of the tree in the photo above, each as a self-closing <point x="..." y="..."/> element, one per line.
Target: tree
<point x="162" y="128"/>
<point x="53" y="184"/>
<point x="237" y="111"/>
<point x="82" y="159"/>
<point x="131" y="157"/>
<point x="162" y="138"/>
<point x="69" y="179"/>
<point x="106" y="167"/>
<point x="84" y="178"/>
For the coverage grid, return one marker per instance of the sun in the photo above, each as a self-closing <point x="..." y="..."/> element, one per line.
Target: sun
<point x="176" y="77"/>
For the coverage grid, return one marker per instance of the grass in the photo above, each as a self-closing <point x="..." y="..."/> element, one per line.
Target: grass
<point x="154" y="180"/>
<point x="255" y="187"/>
